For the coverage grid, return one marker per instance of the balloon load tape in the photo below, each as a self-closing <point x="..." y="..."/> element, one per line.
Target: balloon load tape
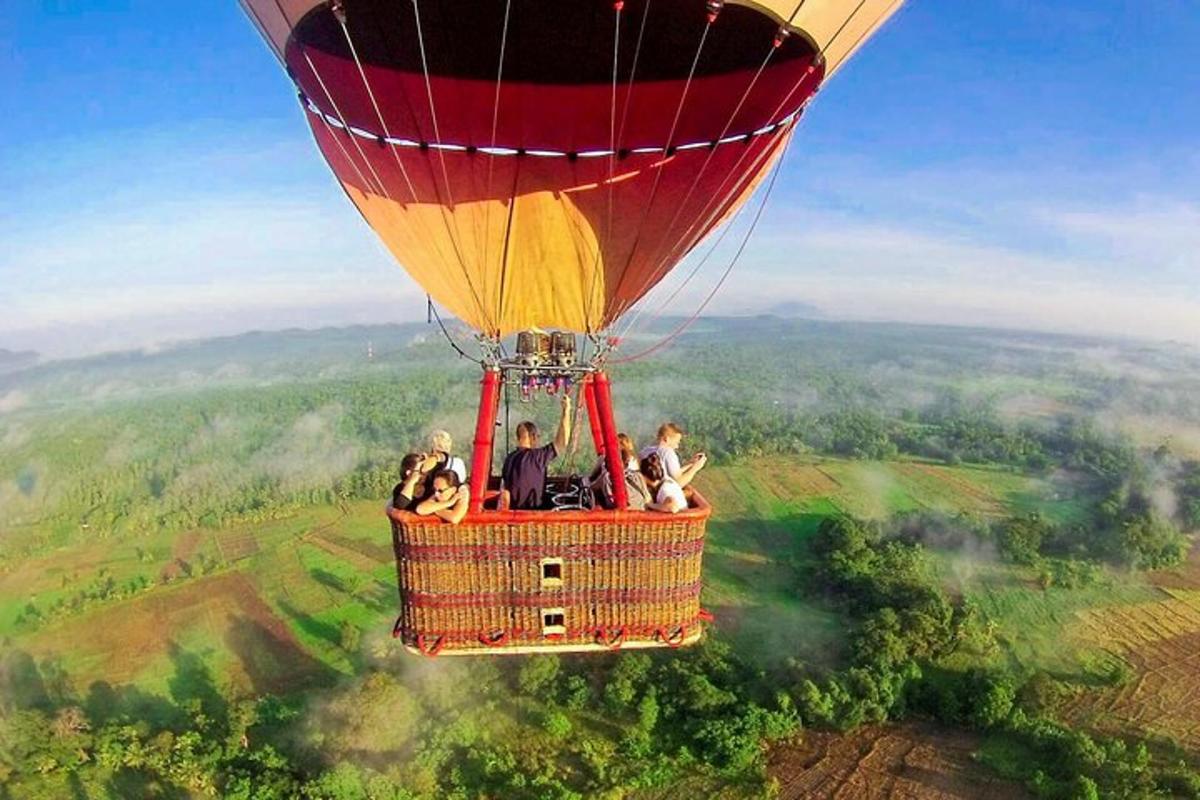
<point x="546" y="361"/>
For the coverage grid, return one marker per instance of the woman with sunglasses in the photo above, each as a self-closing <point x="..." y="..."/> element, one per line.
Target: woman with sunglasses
<point x="448" y="498"/>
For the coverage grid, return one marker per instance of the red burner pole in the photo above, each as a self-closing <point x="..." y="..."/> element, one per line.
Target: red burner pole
<point x="593" y="414"/>
<point x="612" y="452"/>
<point x="485" y="431"/>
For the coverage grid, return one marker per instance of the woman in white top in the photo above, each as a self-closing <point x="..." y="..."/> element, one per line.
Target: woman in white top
<point x="668" y="494"/>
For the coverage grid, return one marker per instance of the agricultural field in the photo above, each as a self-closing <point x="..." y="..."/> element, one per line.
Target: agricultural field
<point x="198" y="537"/>
<point x="1156" y="644"/>
<point x="887" y="763"/>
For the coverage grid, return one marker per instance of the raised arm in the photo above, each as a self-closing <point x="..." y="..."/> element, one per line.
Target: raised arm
<point x="563" y="436"/>
<point x="689" y="470"/>
<point x="408" y="489"/>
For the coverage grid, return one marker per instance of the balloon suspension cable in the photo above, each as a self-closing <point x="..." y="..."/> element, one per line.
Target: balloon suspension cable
<point x="728" y="269"/>
<point x="612" y="159"/>
<point x="714" y="8"/>
<point x="637" y="52"/>
<point x="713" y="208"/>
<point x="818" y="63"/>
<point x="431" y="315"/>
<point x="639" y="311"/>
<point x="661" y="258"/>
<point x="573" y="449"/>
<point x="487" y="222"/>
<point x="339" y="12"/>
<point x="337" y="9"/>
<point x="379" y="184"/>
<point x="456" y="238"/>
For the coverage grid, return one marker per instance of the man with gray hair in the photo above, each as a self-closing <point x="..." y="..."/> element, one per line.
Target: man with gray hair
<point x="441" y="448"/>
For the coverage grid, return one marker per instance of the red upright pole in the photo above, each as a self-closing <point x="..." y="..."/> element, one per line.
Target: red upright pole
<point x="612" y="452"/>
<point x="593" y="415"/>
<point x="485" y="431"/>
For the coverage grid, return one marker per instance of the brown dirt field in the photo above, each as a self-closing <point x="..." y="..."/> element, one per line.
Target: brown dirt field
<point x="45" y="573"/>
<point x="119" y="642"/>
<point x="1186" y="576"/>
<point x="1161" y="643"/>
<point x="886" y="762"/>
<point x="792" y="482"/>
<point x="332" y="544"/>
<point x="234" y="545"/>
<point x="379" y="553"/>
<point x="183" y="550"/>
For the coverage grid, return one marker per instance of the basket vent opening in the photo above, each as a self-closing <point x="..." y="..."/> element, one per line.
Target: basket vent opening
<point x="552" y="571"/>
<point x="554" y="622"/>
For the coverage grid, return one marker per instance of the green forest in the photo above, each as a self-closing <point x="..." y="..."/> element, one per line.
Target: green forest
<point x="979" y="532"/>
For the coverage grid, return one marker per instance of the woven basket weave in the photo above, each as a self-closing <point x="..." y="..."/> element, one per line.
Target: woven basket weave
<point x="528" y="581"/>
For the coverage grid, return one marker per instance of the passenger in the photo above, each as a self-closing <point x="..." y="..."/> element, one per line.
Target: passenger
<point x="635" y="484"/>
<point x="668" y="494"/>
<point x="628" y="452"/>
<point x="524" y="473"/>
<point x="669" y="436"/>
<point x="413" y="486"/>
<point x="448" y="500"/>
<point x="441" y="447"/>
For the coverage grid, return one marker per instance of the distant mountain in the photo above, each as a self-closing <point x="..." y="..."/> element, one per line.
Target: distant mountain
<point x="794" y="308"/>
<point x="11" y="361"/>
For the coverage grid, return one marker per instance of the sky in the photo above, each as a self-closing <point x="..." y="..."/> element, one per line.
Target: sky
<point x="1029" y="164"/>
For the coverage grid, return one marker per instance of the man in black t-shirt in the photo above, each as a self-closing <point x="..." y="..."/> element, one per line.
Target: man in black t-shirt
<point x="524" y="472"/>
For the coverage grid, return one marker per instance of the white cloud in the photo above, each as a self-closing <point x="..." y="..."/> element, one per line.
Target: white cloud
<point x="1163" y="238"/>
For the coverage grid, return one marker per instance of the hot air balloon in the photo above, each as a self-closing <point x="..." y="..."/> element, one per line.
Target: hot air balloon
<point x="540" y="166"/>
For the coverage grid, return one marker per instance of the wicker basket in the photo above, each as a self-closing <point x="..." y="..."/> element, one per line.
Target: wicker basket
<point x="545" y="581"/>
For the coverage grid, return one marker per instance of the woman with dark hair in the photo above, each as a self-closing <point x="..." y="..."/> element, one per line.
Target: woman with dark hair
<point x="635" y="484"/>
<point x="413" y="486"/>
<point x="448" y="498"/>
<point x="668" y="494"/>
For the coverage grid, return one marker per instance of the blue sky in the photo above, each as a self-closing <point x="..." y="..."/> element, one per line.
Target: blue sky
<point x="1016" y="163"/>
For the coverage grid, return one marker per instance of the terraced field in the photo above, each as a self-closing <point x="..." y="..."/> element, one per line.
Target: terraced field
<point x="1159" y="640"/>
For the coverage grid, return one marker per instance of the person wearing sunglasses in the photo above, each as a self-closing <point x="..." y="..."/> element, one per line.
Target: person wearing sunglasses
<point x="448" y="498"/>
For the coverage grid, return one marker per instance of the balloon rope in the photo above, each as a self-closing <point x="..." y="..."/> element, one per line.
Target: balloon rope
<point x="639" y="311"/>
<point x="612" y="156"/>
<point x="713" y="208"/>
<point x="433" y="310"/>
<point x="667" y="153"/>
<point x="437" y="135"/>
<point x="508" y="229"/>
<point x="637" y="52"/>
<point x="704" y="167"/>
<point x="728" y="269"/>
<point x="345" y="126"/>
<point x="341" y="18"/>
<point x="485" y="239"/>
